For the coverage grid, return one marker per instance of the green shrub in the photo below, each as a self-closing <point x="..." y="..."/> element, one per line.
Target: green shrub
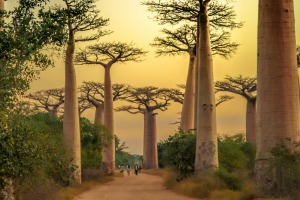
<point x="93" y="138"/>
<point x="178" y="151"/>
<point x="286" y="165"/>
<point x="236" y="161"/>
<point x="32" y="153"/>
<point x="235" y="153"/>
<point x="232" y="180"/>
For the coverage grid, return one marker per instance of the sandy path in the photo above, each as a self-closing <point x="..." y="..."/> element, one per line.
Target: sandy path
<point x="143" y="187"/>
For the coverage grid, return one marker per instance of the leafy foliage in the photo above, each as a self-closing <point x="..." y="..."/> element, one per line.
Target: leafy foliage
<point x="32" y="145"/>
<point x="22" y="41"/>
<point x="236" y="157"/>
<point x="236" y="161"/>
<point x="93" y="138"/>
<point x="286" y="165"/>
<point x="178" y="151"/>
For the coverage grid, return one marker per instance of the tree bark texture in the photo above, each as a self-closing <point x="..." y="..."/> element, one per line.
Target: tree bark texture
<point x="71" y="128"/>
<point x="188" y="107"/>
<point x="206" y="145"/>
<point x="250" y="122"/>
<point x="99" y="114"/>
<point x="145" y="161"/>
<point x="277" y="89"/>
<point x="108" y="153"/>
<point x="151" y="152"/>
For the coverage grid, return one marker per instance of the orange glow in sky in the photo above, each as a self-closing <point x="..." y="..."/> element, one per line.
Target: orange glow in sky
<point x="130" y="22"/>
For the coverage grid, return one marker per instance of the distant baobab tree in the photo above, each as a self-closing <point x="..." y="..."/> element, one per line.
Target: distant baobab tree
<point x="50" y="100"/>
<point x="93" y="92"/>
<point x="206" y="14"/>
<point x="183" y="40"/>
<point x="277" y="88"/>
<point x="146" y="101"/>
<point x="83" y="105"/>
<point x="106" y="55"/>
<point x="245" y="87"/>
<point x="75" y="17"/>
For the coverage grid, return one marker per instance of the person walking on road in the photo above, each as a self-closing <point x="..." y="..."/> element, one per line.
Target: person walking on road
<point x="128" y="169"/>
<point x="136" y="169"/>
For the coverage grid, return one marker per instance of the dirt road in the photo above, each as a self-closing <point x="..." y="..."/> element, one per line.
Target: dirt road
<point x="142" y="187"/>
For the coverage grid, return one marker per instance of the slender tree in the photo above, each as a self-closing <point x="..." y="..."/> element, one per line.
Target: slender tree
<point x="183" y="40"/>
<point x="105" y="55"/>
<point x="146" y="101"/>
<point x="277" y="87"/>
<point x="205" y="13"/>
<point x="76" y="17"/>
<point x="245" y="87"/>
<point x="50" y="100"/>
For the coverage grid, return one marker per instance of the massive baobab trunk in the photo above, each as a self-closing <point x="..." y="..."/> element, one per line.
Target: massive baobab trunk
<point x="108" y="153"/>
<point x="277" y="90"/>
<point x="188" y="107"/>
<point x="206" y="145"/>
<point x="151" y="147"/>
<point x="250" y="122"/>
<point x="99" y="114"/>
<point x="71" y="128"/>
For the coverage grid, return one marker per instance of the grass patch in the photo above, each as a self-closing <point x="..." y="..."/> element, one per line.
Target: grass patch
<point x="203" y="187"/>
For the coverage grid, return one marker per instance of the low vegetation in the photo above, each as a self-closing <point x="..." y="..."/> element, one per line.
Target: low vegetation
<point x="33" y="155"/>
<point x="285" y="165"/>
<point x="232" y="179"/>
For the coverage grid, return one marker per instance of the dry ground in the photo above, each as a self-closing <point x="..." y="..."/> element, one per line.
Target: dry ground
<point x="143" y="187"/>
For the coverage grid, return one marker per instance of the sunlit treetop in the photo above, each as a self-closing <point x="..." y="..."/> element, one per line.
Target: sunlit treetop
<point x="172" y="12"/>
<point x="184" y="38"/>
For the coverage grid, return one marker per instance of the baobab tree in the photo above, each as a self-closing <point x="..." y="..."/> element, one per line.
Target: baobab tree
<point x="83" y="105"/>
<point x="183" y="40"/>
<point x="245" y="87"/>
<point x="106" y="55"/>
<point x="76" y="17"/>
<point x="277" y="87"/>
<point x="206" y="14"/>
<point x="146" y="101"/>
<point x="93" y="92"/>
<point x="50" y="100"/>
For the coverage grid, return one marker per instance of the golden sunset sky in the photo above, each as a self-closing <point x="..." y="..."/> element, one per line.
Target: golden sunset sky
<point x="130" y="22"/>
